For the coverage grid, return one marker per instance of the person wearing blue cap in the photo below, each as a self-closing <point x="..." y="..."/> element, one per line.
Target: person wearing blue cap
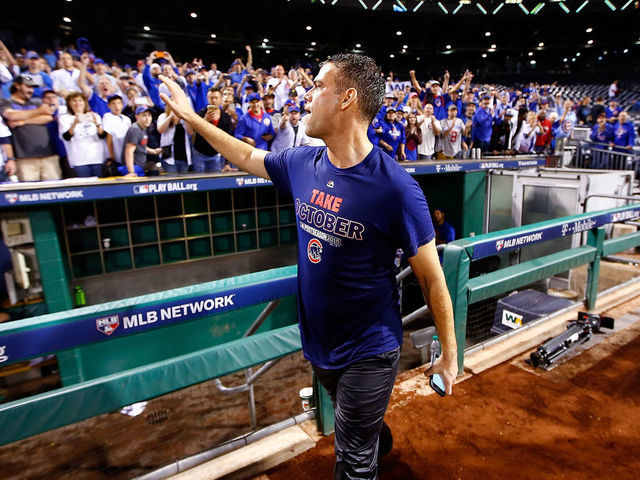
<point x="288" y="133"/>
<point x="623" y="134"/>
<point x="136" y="146"/>
<point x="98" y="96"/>
<point x="238" y="70"/>
<point x="601" y="134"/>
<point x="101" y="70"/>
<point x="392" y="136"/>
<point x="355" y="206"/>
<point x="482" y="126"/>
<point x="38" y="75"/>
<point x="256" y="126"/>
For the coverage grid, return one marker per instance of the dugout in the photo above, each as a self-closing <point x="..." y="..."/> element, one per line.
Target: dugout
<point x="116" y="239"/>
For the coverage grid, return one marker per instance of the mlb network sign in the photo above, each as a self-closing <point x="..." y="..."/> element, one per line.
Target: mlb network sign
<point x="193" y="309"/>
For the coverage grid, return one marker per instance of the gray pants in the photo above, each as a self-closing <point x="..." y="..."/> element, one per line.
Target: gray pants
<point x="360" y="393"/>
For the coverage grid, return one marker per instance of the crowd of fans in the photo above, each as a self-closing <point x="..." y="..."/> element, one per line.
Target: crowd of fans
<point x="69" y="113"/>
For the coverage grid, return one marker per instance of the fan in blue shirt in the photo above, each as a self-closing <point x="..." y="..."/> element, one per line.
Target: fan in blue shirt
<point x="624" y="135"/>
<point x="601" y="135"/>
<point x="482" y="125"/>
<point x="256" y="126"/>
<point x="392" y="137"/>
<point x="612" y="111"/>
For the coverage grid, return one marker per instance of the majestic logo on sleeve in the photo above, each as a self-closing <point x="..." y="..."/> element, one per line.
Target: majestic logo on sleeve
<point x="314" y="250"/>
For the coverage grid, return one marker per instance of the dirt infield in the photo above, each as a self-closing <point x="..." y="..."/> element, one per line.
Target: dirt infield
<point x="579" y="421"/>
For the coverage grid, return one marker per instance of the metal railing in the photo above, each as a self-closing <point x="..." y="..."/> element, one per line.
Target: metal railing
<point x="459" y="254"/>
<point x="605" y="156"/>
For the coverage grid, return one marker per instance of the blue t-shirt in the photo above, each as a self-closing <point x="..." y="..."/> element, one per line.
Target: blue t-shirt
<point x="393" y="134"/>
<point x="350" y="223"/>
<point x="612" y="113"/>
<point x="564" y="129"/>
<point x="371" y="131"/>
<point x="98" y="105"/>
<point x="236" y="77"/>
<point x="445" y="232"/>
<point x="482" y="125"/>
<point x="604" y="136"/>
<point x="623" y="134"/>
<point x="252" y="127"/>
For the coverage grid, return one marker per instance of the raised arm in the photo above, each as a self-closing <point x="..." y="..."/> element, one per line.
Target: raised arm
<point x="467" y="84"/>
<point x="445" y="82"/>
<point x="10" y="60"/>
<point x="249" y="57"/>
<point x="248" y="158"/>
<point x="414" y="80"/>
<point x="82" y="80"/>
<point x="307" y="82"/>
<point x="457" y="85"/>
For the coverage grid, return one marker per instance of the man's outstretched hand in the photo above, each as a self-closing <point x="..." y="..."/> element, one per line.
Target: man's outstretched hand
<point x="178" y="101"/>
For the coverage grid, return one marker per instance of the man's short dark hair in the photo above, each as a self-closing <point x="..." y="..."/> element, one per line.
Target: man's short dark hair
<point x="214" y="89"/>
<point x="363" y="74"/>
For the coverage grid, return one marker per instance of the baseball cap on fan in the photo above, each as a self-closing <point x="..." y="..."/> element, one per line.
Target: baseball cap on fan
<point x="25" y="79"/>
<point x="142" y="109"/>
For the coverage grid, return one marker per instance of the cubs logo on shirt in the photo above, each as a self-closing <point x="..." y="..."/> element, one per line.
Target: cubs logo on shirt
<point x="567" y="126"/>
<point x="266" y="122"/>
<point x="314" y="250"/>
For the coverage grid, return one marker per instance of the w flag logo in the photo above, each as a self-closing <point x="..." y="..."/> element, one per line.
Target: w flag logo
<point x="511" y="320"/>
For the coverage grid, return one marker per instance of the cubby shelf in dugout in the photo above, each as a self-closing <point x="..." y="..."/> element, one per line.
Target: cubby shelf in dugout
<point x="116" y="235"/>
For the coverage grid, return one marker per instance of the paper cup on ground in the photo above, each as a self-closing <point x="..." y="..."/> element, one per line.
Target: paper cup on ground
<point x="306" y="395"/>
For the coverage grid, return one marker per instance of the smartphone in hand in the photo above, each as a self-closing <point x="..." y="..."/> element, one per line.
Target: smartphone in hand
<point x="437" y="383"/>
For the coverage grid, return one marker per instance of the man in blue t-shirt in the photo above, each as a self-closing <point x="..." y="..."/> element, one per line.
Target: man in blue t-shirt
<point x="563" y="128"/>
<point x="391" y="135"/>
<point x="601" y="134"/>
<point x="256" y="126"/>
<point x="482" y="126"/>
<point x="612" y="111"/>
<point x="354" y="207"/>
<point x="623" y="133"/>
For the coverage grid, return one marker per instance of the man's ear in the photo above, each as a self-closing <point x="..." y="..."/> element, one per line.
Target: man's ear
<point x="348" y="98"/>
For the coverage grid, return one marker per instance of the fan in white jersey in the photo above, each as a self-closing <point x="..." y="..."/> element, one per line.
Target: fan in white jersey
<point x="452" y="131"/>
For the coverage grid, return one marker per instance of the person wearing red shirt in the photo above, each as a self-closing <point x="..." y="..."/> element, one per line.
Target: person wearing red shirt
<point x="543" y="141"/>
